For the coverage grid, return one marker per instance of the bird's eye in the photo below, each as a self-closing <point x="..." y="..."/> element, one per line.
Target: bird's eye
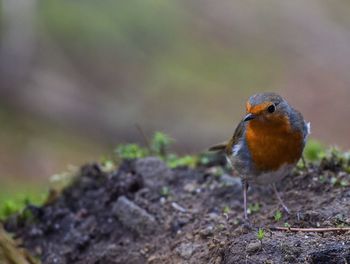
<point x="271" y="109"/>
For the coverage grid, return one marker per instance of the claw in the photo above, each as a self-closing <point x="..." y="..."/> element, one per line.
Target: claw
<point x="280" y="199"/>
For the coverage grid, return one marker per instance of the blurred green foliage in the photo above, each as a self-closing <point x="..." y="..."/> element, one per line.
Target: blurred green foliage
<point x="165" y="191"/>
<point x="286" y="224"/>
<point x="253" y="208"/>
<point x="131" y="151"/>
<point x="16" y="199"/>
<point x="174" y="161"/>
<point x="226" y="209"/>
<point x="314" y="150"/>
<point x="334" y="157"/>
<point x="159" y="146"/>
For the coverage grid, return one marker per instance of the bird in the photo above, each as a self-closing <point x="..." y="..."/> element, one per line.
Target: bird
<point x="267" y="143"/>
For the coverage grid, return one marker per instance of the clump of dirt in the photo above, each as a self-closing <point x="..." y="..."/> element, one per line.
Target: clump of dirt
<point x="147" y="213"/>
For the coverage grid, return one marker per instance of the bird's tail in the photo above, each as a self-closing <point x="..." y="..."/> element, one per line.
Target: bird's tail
<point x="218" y="147"/>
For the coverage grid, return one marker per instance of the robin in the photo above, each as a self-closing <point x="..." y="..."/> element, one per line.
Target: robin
<point x="267" y="143"/>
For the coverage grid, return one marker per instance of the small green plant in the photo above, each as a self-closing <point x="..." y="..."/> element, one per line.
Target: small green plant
<point x="226" y="209"/>
<point x="165" y="191"/>
<point x="218" y="171"/>
<point x="174" y="161"/>
<point x="278" y="215"/>
<point x="131" y="151"/>
<point x="336" y="158"/>
<point x="253" y="208"/>
<point x="261" y="234"/>
<point x="107" y="164"/>
<point x="336" y="153"/>
<point x="336" y="182"/>
<point x="286" y="224"/>
<point x="204" y="160"/>
<point x="221" y="227"/>
<point x="344" y="183"/>
<point x="160" y="144"/>
<point x="322" y="179"/>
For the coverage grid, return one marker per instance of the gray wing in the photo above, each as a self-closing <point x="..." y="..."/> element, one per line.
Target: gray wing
<point x="298" y="122"/>
<point x="237" y="136"/>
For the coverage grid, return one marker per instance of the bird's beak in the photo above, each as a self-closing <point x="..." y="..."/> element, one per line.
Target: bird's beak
<point x="249" y="117"/>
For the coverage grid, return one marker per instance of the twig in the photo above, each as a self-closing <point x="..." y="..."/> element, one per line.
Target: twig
<point x="145" y="138"/>
<point x="324" y="229"/>
<point x="178" y="207"/>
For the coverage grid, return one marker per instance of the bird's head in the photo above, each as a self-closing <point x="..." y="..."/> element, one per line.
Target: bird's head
<point x="266" y="107"/>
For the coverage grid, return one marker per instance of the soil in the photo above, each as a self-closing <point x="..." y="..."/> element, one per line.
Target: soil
<point x="147" y="213"/>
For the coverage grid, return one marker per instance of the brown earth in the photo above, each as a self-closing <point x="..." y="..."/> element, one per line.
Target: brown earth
<point x="147" y="213"/>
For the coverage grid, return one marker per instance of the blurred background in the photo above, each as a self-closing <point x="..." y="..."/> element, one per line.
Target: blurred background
<point x="76" y="76"/>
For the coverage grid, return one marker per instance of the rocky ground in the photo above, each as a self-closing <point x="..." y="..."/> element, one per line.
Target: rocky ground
<point x="145" y="212"/>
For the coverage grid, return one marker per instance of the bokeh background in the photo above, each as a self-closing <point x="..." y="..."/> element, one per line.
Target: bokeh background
<point x="76" y="76"/>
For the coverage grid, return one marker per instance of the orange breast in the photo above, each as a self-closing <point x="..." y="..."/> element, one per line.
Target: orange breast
<point x="273" y="143"/>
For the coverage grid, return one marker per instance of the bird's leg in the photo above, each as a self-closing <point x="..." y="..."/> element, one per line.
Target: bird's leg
<point x="245" y="189"/>
<point x="304" y="162"/>
<point x="280" y="199"/>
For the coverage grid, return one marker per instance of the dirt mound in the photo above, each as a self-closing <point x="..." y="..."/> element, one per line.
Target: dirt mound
<point x="147" y="213"/>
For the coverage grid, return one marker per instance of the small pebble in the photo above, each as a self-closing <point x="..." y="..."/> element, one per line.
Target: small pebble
<point x="190" y="187"/>
<point x="186" y="250"/>
<point x="208" y="231"/>
<point x="178" y="207"/>
<point x="253" y="247"/>
<point x="213" y="215"/>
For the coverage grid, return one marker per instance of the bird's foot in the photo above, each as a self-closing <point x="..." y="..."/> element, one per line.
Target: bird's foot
<point x="246" y="226"/>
